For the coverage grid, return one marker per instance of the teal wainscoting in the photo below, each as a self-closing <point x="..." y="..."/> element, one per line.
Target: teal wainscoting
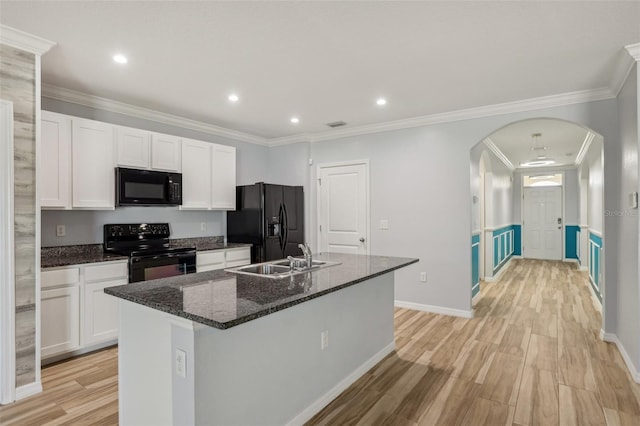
<point x="475" y="264"/>
<point x="595" y="262"/>
<point x="504" y="243"/>
<point x="571" y="242"/>
<point x="517" y="240"/>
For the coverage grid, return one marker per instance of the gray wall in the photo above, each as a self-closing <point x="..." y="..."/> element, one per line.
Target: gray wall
<point x="420" y="183"/>
<point x="571" y="197"/>
<point x="626" y="219"/>
<point x="85" y="227"/>
<point x="18" y="85"/>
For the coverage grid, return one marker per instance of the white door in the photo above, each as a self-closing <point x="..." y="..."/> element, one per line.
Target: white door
<point x="343" y="208"/>
<point x="55" y="164"/>
<point x="166" y="152"/>
<point x="133" y="147"/>
<point x="223" y="177"/>
<point x="60" y="320"/>
<point x="543" y="223"/>
<point x="196" y="175"/>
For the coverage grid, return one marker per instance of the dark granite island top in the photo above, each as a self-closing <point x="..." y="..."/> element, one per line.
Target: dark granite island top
<point x="223" y="299"/>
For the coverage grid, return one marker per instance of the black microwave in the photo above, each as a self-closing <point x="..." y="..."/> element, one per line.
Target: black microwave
<point x="147" y="188"/>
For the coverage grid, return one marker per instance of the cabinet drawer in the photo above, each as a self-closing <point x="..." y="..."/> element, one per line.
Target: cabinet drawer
<point x="109" y="271"/>
<point x="234" y="255"/>
<point x="214" y="267"/>
<point x="59" y="277"/>
<point x="210" y="258"/>
<point x="241" y="262"/>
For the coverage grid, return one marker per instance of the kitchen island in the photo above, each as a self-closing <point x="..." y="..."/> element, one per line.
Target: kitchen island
<point x="224" y="348"/>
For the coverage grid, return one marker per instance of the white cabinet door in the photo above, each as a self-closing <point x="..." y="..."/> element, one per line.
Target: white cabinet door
<point x="59" y="320"/>
<point x="238" y="257"/>
<point x="93" y="161"/>
<point x="223" y="177"/>
<point x="55" y="163"/>
<point x="196" y="175"/>
<point x="165" y="152"/>
<point x="133" y="147"/>
<point x="100" y="313"/>
<point x="209" y="260"/>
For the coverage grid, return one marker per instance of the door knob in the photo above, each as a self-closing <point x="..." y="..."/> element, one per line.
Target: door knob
<point x="362" y="239"/>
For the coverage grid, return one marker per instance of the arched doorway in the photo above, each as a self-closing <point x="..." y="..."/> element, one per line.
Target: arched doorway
<point x="499" y="164"/>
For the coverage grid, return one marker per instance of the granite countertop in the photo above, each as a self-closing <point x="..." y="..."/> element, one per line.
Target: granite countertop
<point x="51" y="257"/>
<point x="223" y="299"/>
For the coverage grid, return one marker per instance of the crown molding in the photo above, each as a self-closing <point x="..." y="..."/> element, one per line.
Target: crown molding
<point x="24" y="41"/>
<point x="498" y="153"/>
<point x="584" y="148"/>
<point x="634" y="51"/>
<point x="67" y="95"/>
<point x="546" y="169"/>
<point x="466" y="114"/>
<point x="625" y="64"/>
<point x="288" y="140"/>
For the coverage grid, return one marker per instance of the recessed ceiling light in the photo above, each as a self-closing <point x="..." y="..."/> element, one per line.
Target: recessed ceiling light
<point x="381" y="101"/>
<point x="537" y="163"/>
<point x="233" y="97"/>
<point x="121" y="59"/>
<point x="295" y="120"/>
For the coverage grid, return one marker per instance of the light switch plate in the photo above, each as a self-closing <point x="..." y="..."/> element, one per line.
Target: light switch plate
<point x="633" y="200"/>
<point x="384" y="224"/>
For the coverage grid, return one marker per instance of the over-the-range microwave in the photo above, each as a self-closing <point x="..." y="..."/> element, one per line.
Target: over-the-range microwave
<point x="136" y="187"/>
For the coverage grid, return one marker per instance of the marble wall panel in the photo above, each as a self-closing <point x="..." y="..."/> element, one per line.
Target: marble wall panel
<point x="18" y="85"/>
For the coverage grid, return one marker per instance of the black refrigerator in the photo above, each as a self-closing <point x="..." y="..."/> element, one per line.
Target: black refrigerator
<point x="271" y="218"/>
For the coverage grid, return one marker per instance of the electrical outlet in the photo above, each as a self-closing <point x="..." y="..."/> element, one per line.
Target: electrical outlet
<point x="203" y="226"/>
<point x="61" y="231"/>
<point x="324" y="340"/>
<point x="423" y="277"/>
<point x="384" y="224"/>
<point x="181" y="363"/>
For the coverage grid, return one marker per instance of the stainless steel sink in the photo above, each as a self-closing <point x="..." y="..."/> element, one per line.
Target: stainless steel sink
<point x="280" y="268"/>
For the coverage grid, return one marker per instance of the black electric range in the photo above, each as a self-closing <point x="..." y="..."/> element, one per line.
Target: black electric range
<point x="149" y="250"/>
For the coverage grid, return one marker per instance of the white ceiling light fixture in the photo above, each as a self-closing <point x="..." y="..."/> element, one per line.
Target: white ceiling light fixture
<point x="540" y="160"/>
<point x="120" y="58"/>
<point x="295" y="120"/>
<point x="381" y="102"/>
<point x="233" y="97"/>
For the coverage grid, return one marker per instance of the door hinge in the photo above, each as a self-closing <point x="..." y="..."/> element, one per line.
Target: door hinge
<point x="320" y="228"/>
<point x="320" y="181"/>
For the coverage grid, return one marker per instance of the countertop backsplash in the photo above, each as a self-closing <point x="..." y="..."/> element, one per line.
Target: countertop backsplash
<point x="86" y="227"/>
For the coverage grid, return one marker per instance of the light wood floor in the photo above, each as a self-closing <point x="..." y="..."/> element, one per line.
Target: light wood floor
<point x="82" y="391"/>
<point x="531" y="356"/>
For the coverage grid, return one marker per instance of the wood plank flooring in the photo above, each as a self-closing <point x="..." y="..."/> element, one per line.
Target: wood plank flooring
<point x="531" y="356"/>
<point x="82" y="391"/>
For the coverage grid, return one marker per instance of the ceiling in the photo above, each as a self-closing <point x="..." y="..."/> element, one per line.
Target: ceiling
<point x="325" y="61"/>
<point x="560" y="141"/>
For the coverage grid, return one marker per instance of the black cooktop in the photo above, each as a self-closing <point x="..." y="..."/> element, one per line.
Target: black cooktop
<point x="140" y="239"/>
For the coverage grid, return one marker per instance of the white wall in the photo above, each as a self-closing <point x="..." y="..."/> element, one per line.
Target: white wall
<point x="595" y="201"/>
<point x="571" y="197"/>
<point x="420" y="183"/>
<point x="85" y="227"/>
<point x="500" y="207"/>
<point x="626" y="261"/>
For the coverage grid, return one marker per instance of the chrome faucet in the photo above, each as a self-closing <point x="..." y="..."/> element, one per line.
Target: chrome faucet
<point x="308" y="256"/>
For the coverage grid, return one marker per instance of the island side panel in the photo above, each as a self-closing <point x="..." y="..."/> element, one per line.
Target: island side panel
<point x="272" y="370"/>
<point x="144" y="366"/>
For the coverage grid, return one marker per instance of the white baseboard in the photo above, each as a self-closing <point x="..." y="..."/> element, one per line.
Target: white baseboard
<point x="474" y="298"/>
<point x="28" y="390"/>
<point x="613" y="338"/>
<point x="568" y="260"/>
<point x="434" y="309"/>
<point x="325" y="399"/>
<point x="500" y="272"/>
<point x="583" y="268"/>
<point x="516" y="256"/>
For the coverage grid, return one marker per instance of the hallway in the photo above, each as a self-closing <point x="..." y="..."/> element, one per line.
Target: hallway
<point x="531" y="356"/>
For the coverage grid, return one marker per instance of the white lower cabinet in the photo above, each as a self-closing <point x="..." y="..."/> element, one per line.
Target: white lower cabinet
<point x="60" y="320"/>
<point x="211" y="260"/>
<point x="76" y="314"/>
<point x="100" y="311"/>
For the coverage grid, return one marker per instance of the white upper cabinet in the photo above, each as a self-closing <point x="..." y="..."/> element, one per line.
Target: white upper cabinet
<point x="133" y="147"/>
<point x="196" y="175"/>
<point x="93" y="161"/>
<point x="223" y="177"/>
<point x="208" y="176"/>
<point x="166" y="152"/>
<point x="55" y="163"/>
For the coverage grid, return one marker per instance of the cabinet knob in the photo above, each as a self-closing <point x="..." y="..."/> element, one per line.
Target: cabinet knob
<point x="362" y="239"/>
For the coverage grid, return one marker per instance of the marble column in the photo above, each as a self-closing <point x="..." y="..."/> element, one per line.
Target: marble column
<point x="18" y="85"/>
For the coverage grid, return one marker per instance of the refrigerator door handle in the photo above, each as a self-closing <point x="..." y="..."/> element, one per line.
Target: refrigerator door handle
<point x="285" y="228"/>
